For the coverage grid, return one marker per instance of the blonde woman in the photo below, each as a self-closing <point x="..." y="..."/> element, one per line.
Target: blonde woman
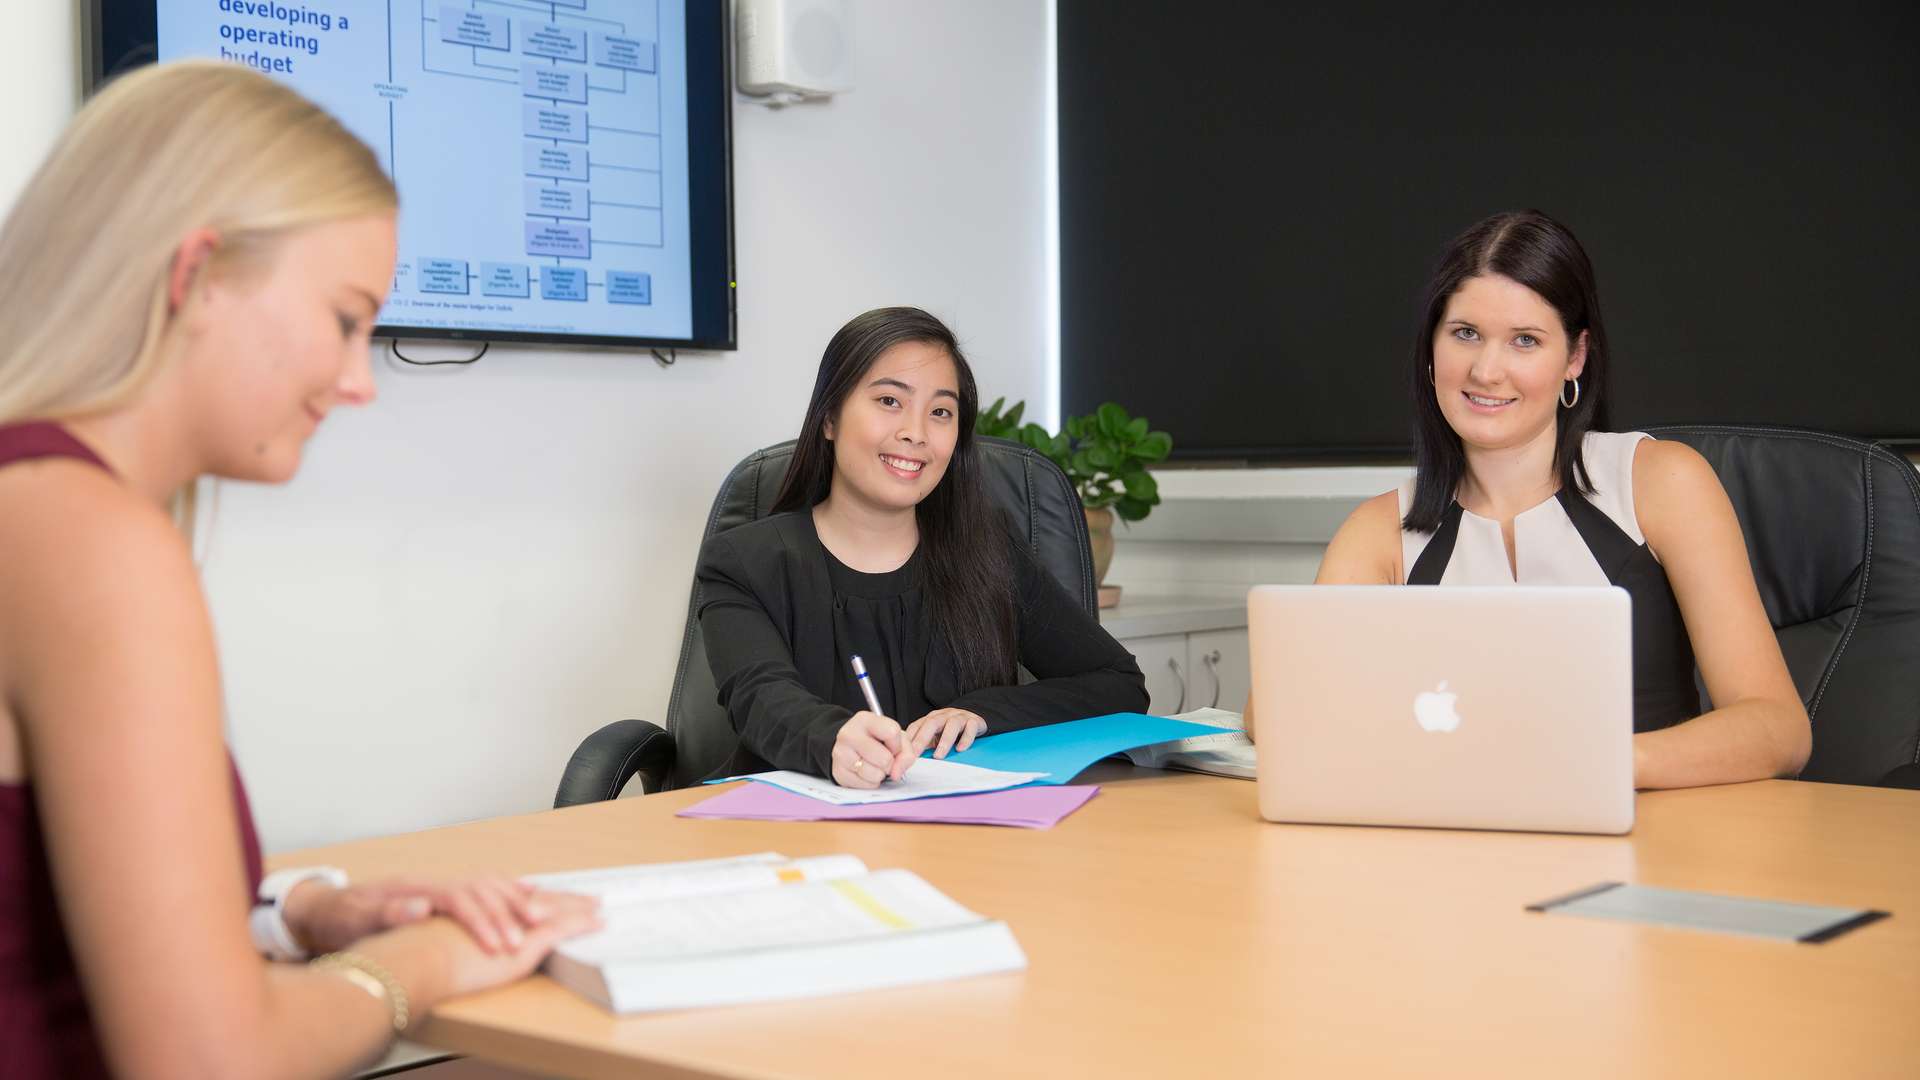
<point x="187" y="288"/>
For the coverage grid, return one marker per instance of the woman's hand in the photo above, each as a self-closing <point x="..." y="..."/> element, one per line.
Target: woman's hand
<point x="870" y="748"/>
<point x="448" y="962"/>
<point x="951" y="729"/>
<point x="472" y="968"/>
<point x="497" y="913"/>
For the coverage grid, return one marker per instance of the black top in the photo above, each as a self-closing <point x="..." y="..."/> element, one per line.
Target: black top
<point x="782" y="619"/>
<point x="1664" y="693"/>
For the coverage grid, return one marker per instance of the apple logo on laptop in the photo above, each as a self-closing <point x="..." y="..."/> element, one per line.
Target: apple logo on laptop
<point x="1434" y="708"/>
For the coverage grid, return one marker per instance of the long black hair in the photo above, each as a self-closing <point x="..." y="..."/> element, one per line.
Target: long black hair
<point x="966" y="563"/>
<point x="1531" y="248"/>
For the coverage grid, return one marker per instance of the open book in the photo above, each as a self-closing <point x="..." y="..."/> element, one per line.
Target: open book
<point x="764" y="927"/>
<point x="1229" y="753"/>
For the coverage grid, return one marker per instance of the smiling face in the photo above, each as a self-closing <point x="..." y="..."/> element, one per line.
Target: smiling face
<point x="1500" y="360"/>
<point x="275" y="348"/>
<point x="894" y="434"/>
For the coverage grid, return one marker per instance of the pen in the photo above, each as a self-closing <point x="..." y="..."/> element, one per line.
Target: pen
<point x="866" y="687"/>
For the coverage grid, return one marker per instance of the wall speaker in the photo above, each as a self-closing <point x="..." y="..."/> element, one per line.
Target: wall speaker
<point x="791" y="50"/>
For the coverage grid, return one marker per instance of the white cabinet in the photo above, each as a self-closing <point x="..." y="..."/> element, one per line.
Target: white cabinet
<point x="1193" y="652"/>
<point x="1163" y="659"/>
<point x="1222" y="675"/>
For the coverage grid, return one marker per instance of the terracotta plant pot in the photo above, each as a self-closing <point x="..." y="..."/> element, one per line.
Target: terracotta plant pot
<point x="1100" y="536"/>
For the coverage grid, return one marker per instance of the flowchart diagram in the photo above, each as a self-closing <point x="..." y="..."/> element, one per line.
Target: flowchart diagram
<point x="562" y="116"/>
<point x="540" y="147"/>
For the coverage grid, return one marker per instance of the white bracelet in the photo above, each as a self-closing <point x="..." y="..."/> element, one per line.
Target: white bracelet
<point x="268" y="922"/>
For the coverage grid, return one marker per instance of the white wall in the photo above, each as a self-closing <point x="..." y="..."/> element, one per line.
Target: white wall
<point x="1208" y="569"/>
<point x="490" y="562"/>
<point x="40" y="85"/>
<point x="1218" y="532"/>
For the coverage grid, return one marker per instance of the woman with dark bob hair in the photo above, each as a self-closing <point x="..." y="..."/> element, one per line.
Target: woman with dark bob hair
<point x="1518" y="481"/>
<point x="882" y="544"/>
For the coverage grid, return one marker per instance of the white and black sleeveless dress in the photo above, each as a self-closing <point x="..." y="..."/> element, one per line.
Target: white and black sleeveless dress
<point x="1573" y="539"/>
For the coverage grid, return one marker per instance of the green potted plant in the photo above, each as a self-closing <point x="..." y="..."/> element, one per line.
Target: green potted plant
<point x="1105" y="455"/>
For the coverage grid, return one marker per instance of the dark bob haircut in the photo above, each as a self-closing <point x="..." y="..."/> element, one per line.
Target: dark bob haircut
<point x="1531" y="248"/>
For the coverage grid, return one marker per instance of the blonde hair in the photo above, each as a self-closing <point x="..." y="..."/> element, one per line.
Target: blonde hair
<point x="86" y="252"/>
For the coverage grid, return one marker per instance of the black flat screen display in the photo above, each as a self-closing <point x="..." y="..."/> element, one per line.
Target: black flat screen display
<point x="564" y="166"/>
<point x="1252" y="195"/>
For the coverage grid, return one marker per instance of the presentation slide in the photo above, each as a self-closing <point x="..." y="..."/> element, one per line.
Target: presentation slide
<point x="540" y="147"/>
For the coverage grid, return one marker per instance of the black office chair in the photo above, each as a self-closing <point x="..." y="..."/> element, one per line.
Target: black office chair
<point x="1833" y="531"/>
<point x="697" y="737"/>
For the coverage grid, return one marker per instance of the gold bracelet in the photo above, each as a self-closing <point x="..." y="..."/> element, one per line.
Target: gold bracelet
<point x="364" y="973"/>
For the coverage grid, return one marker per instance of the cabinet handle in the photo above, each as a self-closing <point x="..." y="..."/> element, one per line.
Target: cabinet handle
<point x="1175" y="665"/>
<point x="1212" y="660"/>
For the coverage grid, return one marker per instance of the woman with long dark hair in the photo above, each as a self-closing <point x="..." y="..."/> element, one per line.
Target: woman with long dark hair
<point x="882" y="544"/>
<point x="1518" y="481"/>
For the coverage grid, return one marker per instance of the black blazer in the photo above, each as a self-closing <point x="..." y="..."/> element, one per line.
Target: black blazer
<point x="766" y="615"/>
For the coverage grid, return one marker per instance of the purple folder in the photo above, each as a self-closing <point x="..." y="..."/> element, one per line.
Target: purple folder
<point x="1026" y="807"/>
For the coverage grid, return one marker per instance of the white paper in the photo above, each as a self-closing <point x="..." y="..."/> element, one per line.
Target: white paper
<point x="1220" y="718"/>
<point x="622" y="885"/>
<point x="1229" y="753"/>
<point x="928" y="777"/>
<point x="1239" y="762"/>
<point x="787" y="928"/>
<point x="595" y="881"/>
<point x="771" y="918"/>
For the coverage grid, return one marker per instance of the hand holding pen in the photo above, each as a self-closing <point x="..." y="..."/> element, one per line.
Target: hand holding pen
<point x="870" y="748"/>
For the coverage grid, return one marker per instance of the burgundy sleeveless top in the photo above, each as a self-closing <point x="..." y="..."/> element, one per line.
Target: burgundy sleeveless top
<point x="46" y="1029"/>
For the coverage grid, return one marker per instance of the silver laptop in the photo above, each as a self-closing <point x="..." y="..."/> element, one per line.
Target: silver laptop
<point x="1509" y="707"/>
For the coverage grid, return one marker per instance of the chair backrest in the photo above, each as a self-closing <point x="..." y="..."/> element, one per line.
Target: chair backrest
<point x="1024" y="483"/>
<point x="1833" y="531"/>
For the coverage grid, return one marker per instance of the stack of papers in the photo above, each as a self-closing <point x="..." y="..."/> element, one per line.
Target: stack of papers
<point x="929" y="777"/>
<point x="1228" y="752"/>
<point x="1051" y="754"/>
<point x="764" y="927"/>
<point x="1062" y="750"/>
<point x="1023" y="807"/>
<point x="995" y="782"/>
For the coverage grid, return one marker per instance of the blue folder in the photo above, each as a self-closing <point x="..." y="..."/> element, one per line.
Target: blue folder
<point x="1063" y="750"/>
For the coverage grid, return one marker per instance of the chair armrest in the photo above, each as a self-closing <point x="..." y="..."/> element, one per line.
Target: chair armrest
<point x="1904" y="776"/>
<point x="609" y="757"/>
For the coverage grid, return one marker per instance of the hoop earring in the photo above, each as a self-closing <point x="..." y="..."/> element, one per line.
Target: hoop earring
<point x="1430" y="374"/>
<point x="1564" y="403"/>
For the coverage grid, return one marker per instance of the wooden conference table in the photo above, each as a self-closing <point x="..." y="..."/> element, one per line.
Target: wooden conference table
<point x="1171" y="933"/>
